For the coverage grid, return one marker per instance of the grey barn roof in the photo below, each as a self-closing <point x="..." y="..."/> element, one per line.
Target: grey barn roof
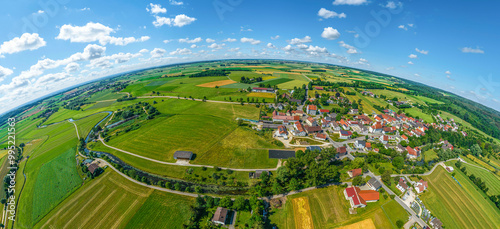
<point x="183" y="155"/>
<point x="375" y="183"/>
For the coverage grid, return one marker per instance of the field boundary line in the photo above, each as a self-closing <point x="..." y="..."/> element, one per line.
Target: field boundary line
<point x="87" y="218"/>
<point x="124" y="214"/>
<point x="81" y="208"/>
<point x="110" y="211"/>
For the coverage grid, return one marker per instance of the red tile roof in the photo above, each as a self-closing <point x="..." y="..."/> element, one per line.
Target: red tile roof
<point x="356" y="172"/>
<point x="369" y="195"/>
<point x="312" y="107"/>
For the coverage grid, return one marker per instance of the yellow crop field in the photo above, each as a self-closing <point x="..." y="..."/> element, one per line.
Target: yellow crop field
<point x="365" y="224"/>
<point x="261" y="95"/>
<point x="302" y="213"/>
<point x="217" y="83"/>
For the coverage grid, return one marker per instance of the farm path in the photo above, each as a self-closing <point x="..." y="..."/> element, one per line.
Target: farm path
<point x="176" y="97"/>
<point x="170" y="163"/>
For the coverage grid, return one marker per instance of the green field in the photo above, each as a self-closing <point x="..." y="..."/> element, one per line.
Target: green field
<point x="86" y="124"/>
<point x="458" y="206"/>
<point x="329" y="209"/>
<point x="492" y="180"/>
<point x="430" y="155"/>
<point x="162" y="208"/>
<point x="109" y="201"/>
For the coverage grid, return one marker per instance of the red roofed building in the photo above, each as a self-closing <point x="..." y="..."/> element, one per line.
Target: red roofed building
<point x="282" y="132"/>
<point x="320" y="136"/>
<point x="355" y="172"/>
<point x="281" y="117"/>
<point x="312" y="109"/>
<point x="421" y="186"/>
<point x="318" y="88"/>
<point x="358" y="198"/>
<point x="323" y="111"/>
<point x="342" y="151"/>
<point x="262" y="89"/>
<point x="412" y="153"/>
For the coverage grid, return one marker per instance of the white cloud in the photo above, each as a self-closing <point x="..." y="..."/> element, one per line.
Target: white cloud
<point x="409" y="62"/>
<point x="156" y="9"/>
<point x="166" y="41"/>
<point x="413" y="56"/>
<point x="330" y="33"/>
<point x="5" y="72"/>
<point x="271" y="46"/>
<point x="180" y="51"/>
<point x="39" y="12"/>
<point x="411" y="25"/>
<point x="447" y="73"/>
<point x="316" y="49"/>
<point x="350" y="49"/>
<point x="349" y="2"/>
<point x="302" y="46"/>
<point x="242" y="29"/>
<point x="186" y="40"/>
<point x="72" y="67"/>
<point x="193" y="46"/>
<point x="393" y="5"/>
<point x="389" y="68"/>
<point x="216" y="46"/>
<point x="229" y="40"/>
<point x="109" y="61"/>
<point x="296" y="41"/>
<point x="403" y="27"/>
<point x="275" y="37"/>
<point x="143" y="51"/>
<point x="324" y="13"/>
<point x="422" y="51"/>
<point x="417" y="75"/>
<point x="208" y="40"/>
<point x="175" y="3"/>
<point x="51" y="78"/>
<point x="249" y="40"/>
<point x="85" y="9"/>
<point x="95" y="32"/>
<point x="179" y="21"/>
<point x="288" y="48"/>
<point x="472" y="50"/>
<point x="157" y="52"/>
<point x="27" y="41"/>
<point x="233" y="49"/>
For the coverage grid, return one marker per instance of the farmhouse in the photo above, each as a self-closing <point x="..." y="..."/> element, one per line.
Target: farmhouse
<point x="355" y="172"/>
<point x="402" y="186"/>
<point x="299" y="129"/>
<point x="92" y="167"/>
<point x="358" y="198"/>
<point x="313" y="129"/>
<point x="281" y="154"/>
<point x="345" y="134"/>
<point x="183" y="155"/>
<point x="421" y="186"/>
<point x="262" y="89"/>
<point x="282" y="132"/>
<point x="220" y="216"/>
<point x="374" y="184"/>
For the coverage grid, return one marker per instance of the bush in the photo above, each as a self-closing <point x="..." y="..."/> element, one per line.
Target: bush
<point x="400" y="223"/>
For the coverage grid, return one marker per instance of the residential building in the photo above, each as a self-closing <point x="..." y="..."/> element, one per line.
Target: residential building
<point x="263" y="89"/>
<point x="355" y="172"/>
<point x="341" y="151"/>
<point x="220" y="216"/>
<point x="311" y="122"/>
<point x="359" y="198"/>
<point x="281" y="132"/>
<point x="344" y="134"/>
<point x="374" y="184"/>
<point x="311" y="109"/>
<point x="313" y="129"/>
<point x="421" y="186"/>
<point x="320" y="136"/>
<point x="402" y="186"/>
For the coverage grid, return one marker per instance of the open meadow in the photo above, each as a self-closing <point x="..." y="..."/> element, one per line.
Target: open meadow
<point x="330" y="209"/>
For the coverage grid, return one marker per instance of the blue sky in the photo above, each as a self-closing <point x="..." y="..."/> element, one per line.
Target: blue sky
<point x="49" y="45"/>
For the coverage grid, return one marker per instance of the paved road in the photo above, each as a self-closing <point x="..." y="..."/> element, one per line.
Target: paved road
<point x="430" y="171"/>
<point x="187" y="164"/>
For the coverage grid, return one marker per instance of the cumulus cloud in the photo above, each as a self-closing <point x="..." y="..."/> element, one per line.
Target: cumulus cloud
<point x="156" y="9"/>
<point x="157" y="52"/>
<point x="180" y="51"/>
<point x="208" y="40"/>
<point x="250" y="40"/>
<point x="271" y="46"/>
<point x="409" y="62"/>
<point x="296" y="41"/>
<point x="330" y="33"/>
<point x="349" y="2"/>
<point x="413" y="56"/>
<point x="179" y="21"/>
<point x="229" y="40"/>
<point x="472" y="50"/>
<point x="275" y="37"/>
<point x="186" y="40"/>
<point x="95" y="32"/>
<point x="447" y="73"/>
<point x="422" y="51"/>
<point x="72" y="67"/>
<point x="109" y="61"/>
<point x="216" y="46"/>
<point x="403" y="27"/>
<point x="316" y="49"/>
<point x="233" y="49"/>
<point x="27" y="41"/>
<point x="288" y="48"/>
<point x="5" y="72"/>
<point x="324" y="13"/>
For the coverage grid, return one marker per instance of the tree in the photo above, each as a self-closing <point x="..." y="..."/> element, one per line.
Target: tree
<point x="293" y="185"/>
<point x="386" y="177"/>
<point x="240" y="203"/>
<point x="398" y="162"/>
<point x="400" y="223"/>
<point x="226" y="202"/>
<point x="476" y="150"/>
<point x="358" y="181"/>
